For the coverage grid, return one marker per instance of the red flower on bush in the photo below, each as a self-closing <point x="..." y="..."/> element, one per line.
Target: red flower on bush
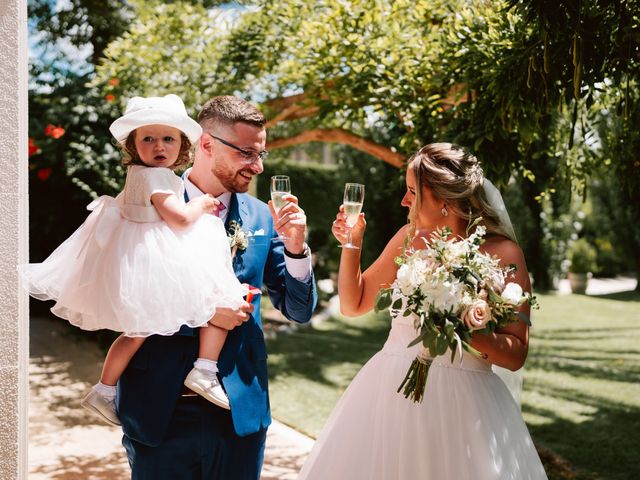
<point x="33" y="148"/>
<point x="57" y="132"/>
<point x="109" y="98"/>
<point x="53" y="131"/>
<point x="113" y="82"/>
<point x="44" y="173"/>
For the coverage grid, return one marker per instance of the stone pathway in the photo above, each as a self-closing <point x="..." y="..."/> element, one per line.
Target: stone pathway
<point x="67" y="443"/>
<point x="602" y="286"/>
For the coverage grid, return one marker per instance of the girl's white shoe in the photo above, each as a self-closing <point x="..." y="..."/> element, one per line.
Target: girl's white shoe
<point x="207" y="385"/>
<point x="101" y="405"/>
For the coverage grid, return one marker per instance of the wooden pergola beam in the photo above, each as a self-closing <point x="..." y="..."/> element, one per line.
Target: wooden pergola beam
<point x="344" y="137"/>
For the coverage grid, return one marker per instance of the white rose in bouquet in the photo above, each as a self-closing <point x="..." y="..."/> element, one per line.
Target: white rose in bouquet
<point x="512" y="293"/>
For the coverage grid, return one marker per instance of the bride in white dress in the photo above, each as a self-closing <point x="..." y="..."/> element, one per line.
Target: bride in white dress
<point x="468" y="426"/>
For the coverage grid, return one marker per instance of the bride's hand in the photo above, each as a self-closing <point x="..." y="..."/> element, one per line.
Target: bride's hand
<point x="340" y="229"/>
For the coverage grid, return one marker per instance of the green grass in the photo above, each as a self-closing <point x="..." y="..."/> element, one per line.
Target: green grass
<point x="582" y="378"/>
<point x="310" y="368"/>
<point x="582" y="383"/>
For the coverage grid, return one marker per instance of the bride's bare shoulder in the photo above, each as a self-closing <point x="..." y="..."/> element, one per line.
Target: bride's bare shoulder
<point x="395" y="246"/>
<point x="504" y="248"/>
<point x="400" y="235"/>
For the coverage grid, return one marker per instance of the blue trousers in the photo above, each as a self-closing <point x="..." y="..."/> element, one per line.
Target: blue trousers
<point x="201" y="444"/>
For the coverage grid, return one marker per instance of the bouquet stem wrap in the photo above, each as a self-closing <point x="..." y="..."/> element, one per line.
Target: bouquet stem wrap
<point x="415" y="380"/>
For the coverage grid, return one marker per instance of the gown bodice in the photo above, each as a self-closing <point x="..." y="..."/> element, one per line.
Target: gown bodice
<point x="403" y="332"/>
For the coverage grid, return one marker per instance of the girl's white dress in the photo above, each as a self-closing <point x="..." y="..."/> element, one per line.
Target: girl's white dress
<point x="468" y="426"/>
<point x="125" y="269"/>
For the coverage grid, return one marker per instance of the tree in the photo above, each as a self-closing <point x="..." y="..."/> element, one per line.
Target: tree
<point x="65" y="114"/>
<point x="387" y="77"/>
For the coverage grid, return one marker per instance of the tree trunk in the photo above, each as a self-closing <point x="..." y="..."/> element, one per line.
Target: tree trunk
<point x="538" y="258"/>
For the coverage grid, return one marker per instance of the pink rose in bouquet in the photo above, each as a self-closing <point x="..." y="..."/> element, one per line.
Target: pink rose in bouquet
<point x="477" y="315"/>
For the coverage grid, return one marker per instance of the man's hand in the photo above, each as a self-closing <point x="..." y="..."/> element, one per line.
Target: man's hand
<point x="230" y="318"/>
<point x="291" y="224"/>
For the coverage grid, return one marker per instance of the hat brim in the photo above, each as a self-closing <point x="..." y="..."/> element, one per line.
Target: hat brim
<point x="123" y="126"/>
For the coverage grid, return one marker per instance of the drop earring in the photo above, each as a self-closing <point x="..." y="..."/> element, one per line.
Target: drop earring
<point x="444" y="211"/>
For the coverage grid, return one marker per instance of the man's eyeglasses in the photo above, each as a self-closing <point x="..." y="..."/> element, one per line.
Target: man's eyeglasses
<point x="249" y="157"/>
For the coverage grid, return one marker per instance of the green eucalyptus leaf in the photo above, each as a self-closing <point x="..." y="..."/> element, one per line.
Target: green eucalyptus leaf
<point x="383" y="300"/>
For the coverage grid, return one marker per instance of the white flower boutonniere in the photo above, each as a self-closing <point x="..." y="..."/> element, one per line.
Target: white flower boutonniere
<point x="237" y="238"/>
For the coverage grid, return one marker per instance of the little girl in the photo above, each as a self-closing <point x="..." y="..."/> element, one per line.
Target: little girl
<point x="145" y="263"/>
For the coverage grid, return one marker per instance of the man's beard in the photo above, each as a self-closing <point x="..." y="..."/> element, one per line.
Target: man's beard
<point x="230" y="180"/>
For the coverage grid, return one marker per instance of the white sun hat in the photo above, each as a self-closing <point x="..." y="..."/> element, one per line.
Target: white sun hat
<point x="168" y="110"/>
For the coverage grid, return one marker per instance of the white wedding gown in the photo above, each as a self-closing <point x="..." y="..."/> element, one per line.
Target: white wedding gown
<point x="467" y="427"/>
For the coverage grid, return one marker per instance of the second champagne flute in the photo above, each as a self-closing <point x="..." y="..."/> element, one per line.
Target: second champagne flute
<point x="353" y="200"/>
<point x="280" y="187"/>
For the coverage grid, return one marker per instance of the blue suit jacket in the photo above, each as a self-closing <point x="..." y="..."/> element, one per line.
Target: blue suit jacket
<point x="153" y="381"/>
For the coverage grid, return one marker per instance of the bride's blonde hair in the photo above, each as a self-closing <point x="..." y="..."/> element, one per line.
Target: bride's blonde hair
<point x="454" y="175"/>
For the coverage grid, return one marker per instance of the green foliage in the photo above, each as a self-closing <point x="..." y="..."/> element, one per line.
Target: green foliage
<point x="525" y="85"/>
<point x="582" y="257"/>
<point x="383" y="300"/>
<point x="68" y="171"/>
<point x="80" y="23"/>
<point x="169" y="48"/>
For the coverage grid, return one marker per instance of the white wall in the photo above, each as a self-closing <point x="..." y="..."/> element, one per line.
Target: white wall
<point x="14" y="322"/>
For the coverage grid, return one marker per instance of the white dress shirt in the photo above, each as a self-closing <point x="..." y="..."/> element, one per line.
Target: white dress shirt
<point x="298" y="268"/>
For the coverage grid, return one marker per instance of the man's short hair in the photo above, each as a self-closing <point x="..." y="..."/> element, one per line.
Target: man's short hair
<point x="227" y="110"/>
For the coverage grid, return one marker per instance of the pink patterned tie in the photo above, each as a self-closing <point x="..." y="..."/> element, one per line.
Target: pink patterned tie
<point x="220" y="208"/>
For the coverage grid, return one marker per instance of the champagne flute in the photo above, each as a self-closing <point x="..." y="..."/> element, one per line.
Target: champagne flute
<point x="353" y="199"/>
<point x="280" y="187"/>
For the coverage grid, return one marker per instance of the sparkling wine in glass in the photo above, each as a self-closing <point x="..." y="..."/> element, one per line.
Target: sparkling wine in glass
<point x="280" y="187"/>
<point x="353" y="200"/>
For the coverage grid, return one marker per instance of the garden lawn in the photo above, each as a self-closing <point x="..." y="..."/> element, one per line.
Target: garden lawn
<point x="582" y="379"/>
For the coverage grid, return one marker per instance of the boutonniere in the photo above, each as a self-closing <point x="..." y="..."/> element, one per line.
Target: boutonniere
<point x="238" y="238"/>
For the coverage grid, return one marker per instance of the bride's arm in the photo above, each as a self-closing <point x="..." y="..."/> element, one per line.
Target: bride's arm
<point x="358" y="290"/>
<point x="508" y="347"/>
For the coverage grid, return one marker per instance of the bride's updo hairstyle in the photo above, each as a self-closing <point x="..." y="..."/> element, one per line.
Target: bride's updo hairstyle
<point x="454" y="175"/>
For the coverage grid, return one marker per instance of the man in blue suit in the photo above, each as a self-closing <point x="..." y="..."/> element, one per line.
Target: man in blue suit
<point x="169" y="433"/>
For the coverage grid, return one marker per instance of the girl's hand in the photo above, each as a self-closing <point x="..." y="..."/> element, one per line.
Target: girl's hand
<point x="207" y="203"/>
<point x="340" y="229"/>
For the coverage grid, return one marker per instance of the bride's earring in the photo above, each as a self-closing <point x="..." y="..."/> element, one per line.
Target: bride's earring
<point x="444" y="211"/>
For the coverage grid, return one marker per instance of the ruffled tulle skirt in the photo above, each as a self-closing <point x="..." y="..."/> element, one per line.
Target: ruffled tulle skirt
<point x="137" y="278"/>
<point x="468" y="426"/>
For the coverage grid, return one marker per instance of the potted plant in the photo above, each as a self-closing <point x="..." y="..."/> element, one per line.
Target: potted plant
<point x="582" y="258"/>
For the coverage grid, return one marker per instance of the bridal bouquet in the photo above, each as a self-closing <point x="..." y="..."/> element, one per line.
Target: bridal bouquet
<point x="451" y="289"/>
